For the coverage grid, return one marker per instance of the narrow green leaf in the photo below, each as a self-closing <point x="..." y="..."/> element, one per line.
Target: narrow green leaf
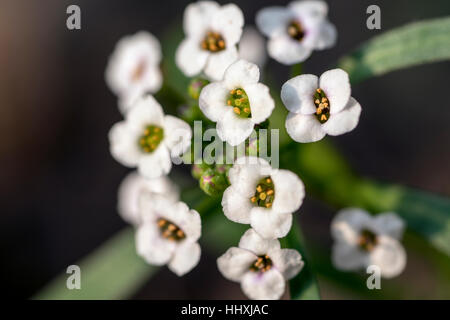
<point x="113" y="271"/>
<point x="413" y="44"/>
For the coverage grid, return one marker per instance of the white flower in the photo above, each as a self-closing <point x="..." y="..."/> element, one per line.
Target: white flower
<point x="133" y="68"/>
<point x="296" y="30"/>
<point x="252" y="47"/>
<point x="260" y="265"/>
<point x="212" y="32"/>
<point x="362" y="240"/>
<point x="237" y="103"/>
<point x="262" y="196"/>
<point x="319" y="106"/>
<point x="131" y="188"/>
<point x="147" y="138"/>
<point x="168" y="233"/>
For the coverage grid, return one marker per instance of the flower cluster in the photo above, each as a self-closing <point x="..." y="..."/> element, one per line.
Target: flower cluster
<point x="226" y="89"/>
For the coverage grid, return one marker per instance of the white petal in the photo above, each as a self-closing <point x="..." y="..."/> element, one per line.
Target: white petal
<point x="228" y="21"/>
<point x="155" y="164"/>
<point x="152" y="205"/>
<point x="344" y="121"/>
<point x="190" y="57"/>
<point x="187" y="220"/>
<point x="186" y="257"/>
<point x="287" y="51"/>
<point x="304" y="128"/>
<point x="287" y="261"/>
<point x="177" y="135"/>
<point x="270" y="224"/>
<point x="312" y="8"/>
<point x="152" y="247"/>
<point x="218" y="62"/>
<point x="235" y="263"/>
<point x="297" y="93"/>
<point x="336" y="85"/>
<point x="252" y="241"/>
<point x="233" y="129"/>
<point x="273" y="21"/>
<point x="197" y="17"/>
<point x="348" y="257"/>
<point x="133" y="186"/>
<point x="348" y="223"/>
<point x="252" y="47"/>
<point x="241" y="73"/>
<point x="213" y="100"/>
<point x="145" y="111"/>
<point x="123" y="144"/>
<point x="326" y="37"/>
<point x="261" y="103"/>
<point x="268" y="285"/>
<point x="236" y="207"/>
<point x="389" y="224"/>
<point x="389" y="255"/>
<point x="289" y="191"/>
<point x="246" y="172"/>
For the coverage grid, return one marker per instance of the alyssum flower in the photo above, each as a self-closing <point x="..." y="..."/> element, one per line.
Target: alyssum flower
<point x="237" y="103"/>
<point x="212" y="32"/>
<point x="362" y="240"/>
<point x="260" y="265"/>
<point x="168" y="233"/>
<point x="296" y="30"/>
<point x="133" y="186"/>
<point x="262" y="196"/>
<point x="147" y="138"/>
<point x="319" y="106"/>
<point x="133" y="68"/>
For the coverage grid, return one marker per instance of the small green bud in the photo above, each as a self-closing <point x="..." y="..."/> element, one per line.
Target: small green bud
<point x="195" y="87"/>
<point x="198" y="169"/>
<point x="212" y="183"/>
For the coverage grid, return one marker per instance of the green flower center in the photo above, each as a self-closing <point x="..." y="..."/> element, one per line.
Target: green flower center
<point x="264" y="194"/>
<point x="322" y="106"/>
<point x="238" y="100"/>
<point x="213" y="42"/>
<point x="262" y="264"/>
<point x="170" y="231"/>
<point x="367" y="240"/>
<point x="151" y="138"/>
<point x="295" y="30"/>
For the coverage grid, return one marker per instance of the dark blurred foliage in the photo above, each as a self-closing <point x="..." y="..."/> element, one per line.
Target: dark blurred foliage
<point x="58" y="182"/>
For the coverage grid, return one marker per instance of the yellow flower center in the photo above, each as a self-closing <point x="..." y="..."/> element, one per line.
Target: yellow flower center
<point x="238" y="100"/>
<point x="264" y="194"/>
<point x="262" y="264"/>
<point x="151" y="138"/>
<point x="322" y="106"/>
<point x="295" y="30"/>
<point x="367" y="240"/>
<point x="213" y="42"/>
<point x="170" y="231"/>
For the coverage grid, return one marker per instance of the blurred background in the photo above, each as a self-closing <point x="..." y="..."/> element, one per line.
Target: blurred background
<point x="58" y="182"/>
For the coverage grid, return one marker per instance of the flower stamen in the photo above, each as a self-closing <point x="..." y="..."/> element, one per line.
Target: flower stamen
<point x="170" y="231"/>
<point x="138" y="72"/>
<point x="213" y="42"/>
<point x="238" y="99"/>
<point x="262" y="264"/>
<point x="296" y="31"/>
<point x="322" y="106"/>
<point x="265" y="193"/>
<point x="367" y="240"/>
<point x="151" y="138"/>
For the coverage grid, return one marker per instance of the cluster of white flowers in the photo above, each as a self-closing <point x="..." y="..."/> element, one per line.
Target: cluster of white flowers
<point x="257" y="194"/>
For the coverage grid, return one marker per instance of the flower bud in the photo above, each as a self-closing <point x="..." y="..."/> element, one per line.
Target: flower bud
<point x="213" y="183"/>
<point x="196" y="86"/>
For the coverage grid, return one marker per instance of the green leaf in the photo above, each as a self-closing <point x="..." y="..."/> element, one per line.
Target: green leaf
<point x="113" y="271"/>
<point x="413" y="44"/>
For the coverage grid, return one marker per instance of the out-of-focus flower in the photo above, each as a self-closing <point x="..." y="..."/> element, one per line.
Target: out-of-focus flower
<point x="362" y="240"/>
<point x="168" y="233"/>
<point x="296" y="30"/>
<point x="252" y="47"/>
<point x="133" y="68"/>
<point x="262" y="196"/>
<point x="195" y="87"/>
<point x="133" y="186"/>
<point x="212" y="32"/>
<point x="260" y="265"/>
<point x="147" y="139"/>
<point x="237" y="103"/>
<point x="319" y="106"/>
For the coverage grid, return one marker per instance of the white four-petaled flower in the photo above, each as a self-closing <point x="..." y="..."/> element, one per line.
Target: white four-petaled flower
<point x="133" y="68"/>
<point x="262" y="196"/>
<point x="296" y="30"/>
<point x="212" y="33"/>
<point x="362" y="240"/>
<point x="133" y="186"/>
<point x="237" y="103"/>
<point x="168" y="233"/>
<point x="319" y="106"/>
<point x="148" y="139"/>
<point x="260" y="265"/>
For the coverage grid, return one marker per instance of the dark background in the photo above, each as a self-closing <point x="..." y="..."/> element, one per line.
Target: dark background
<point x="58" y="182"/>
